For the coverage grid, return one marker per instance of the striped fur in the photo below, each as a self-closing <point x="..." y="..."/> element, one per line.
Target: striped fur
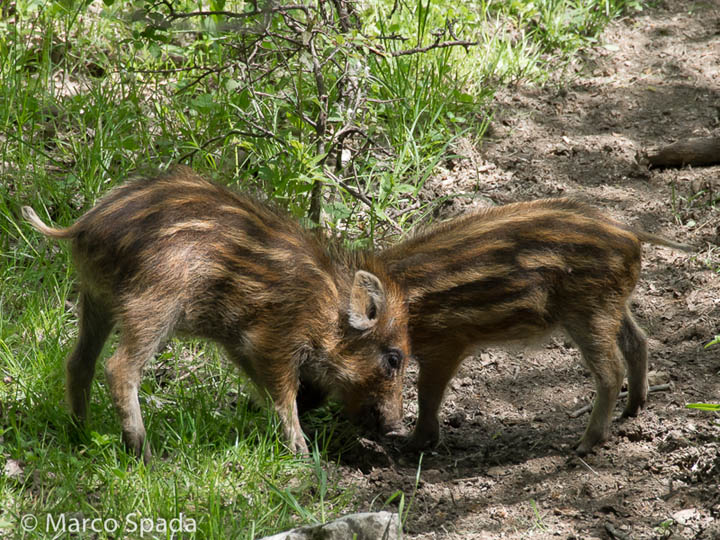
<point x="514" y="274"/>
<point x="180" y="254"/>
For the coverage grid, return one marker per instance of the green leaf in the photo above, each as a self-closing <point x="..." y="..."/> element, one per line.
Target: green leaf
<point x="100" y="439"/>
<point x="203" y="103"/>
<point x="704" y="406"/>
<point x="404" y="188"/>
<point x="232" y="84"/>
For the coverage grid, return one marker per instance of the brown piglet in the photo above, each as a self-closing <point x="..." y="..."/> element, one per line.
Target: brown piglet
<point x="514" y="274"/>
<point x="180" y="254"/>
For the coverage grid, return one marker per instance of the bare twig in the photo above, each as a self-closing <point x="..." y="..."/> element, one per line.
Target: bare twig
<point x="343" y="15"/>
<point x="340" y="135"/>
<point x="450" y="27"/>
<point x="588" y="408"/>
<point x="320" y="129"/>
<point x="436" y="45"/>
<point x="582" y="410"/>
<point x="391" y="37"/>
<point x="174" y="15"/>
<point x="358" y="195"/>
<point x="162" y="71"/>
<point x="225" y="135"/>
<point x="589" y="468"/>
<point x="188" y="373"/>
<point x="196" y="80"/>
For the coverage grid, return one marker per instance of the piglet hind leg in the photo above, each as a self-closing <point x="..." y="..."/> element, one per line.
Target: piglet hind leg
<point x="597" y="342"/>
<point x="123" y="371"/>
<point x="95" y="326"/>
<point x="633" y="344"/>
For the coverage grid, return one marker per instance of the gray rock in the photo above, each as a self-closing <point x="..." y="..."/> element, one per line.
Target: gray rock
<point x="365" y="526"/>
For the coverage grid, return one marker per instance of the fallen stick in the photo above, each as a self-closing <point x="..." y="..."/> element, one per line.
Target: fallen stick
<point x="701" y="151"/>
<point x="588" y="408"/>
<point x="588" y="466"/>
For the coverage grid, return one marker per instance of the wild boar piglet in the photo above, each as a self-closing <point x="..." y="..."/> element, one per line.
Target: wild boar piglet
<point x="178" y="253"/>
<point x="515" y="273"/>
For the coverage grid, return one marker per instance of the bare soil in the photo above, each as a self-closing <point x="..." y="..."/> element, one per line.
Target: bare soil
<point x="505" y="467"/>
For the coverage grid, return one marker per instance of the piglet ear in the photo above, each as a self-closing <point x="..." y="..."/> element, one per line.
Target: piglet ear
<point x="367" y="299"/>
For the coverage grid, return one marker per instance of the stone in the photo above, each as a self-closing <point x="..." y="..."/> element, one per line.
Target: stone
<point x="365" y="526"/>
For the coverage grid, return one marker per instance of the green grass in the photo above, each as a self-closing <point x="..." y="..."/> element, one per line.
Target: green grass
<point x="89" y="94"/>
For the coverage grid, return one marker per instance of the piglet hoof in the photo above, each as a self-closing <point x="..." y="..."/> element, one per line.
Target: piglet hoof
<point x="588" y="444"/>
<point x="299" y="447"/>
<point x="582" y="450"/>
<point x="139" y="448"/>
<point x="78" y="433"/>
<point x="631" y="411"/>
<point x="418" y="442"/>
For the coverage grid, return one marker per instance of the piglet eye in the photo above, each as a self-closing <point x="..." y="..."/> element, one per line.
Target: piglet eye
<point x="393" y="359"/>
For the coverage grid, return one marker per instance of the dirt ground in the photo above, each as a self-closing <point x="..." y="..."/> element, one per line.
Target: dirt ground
<point x="505" y="468"/>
